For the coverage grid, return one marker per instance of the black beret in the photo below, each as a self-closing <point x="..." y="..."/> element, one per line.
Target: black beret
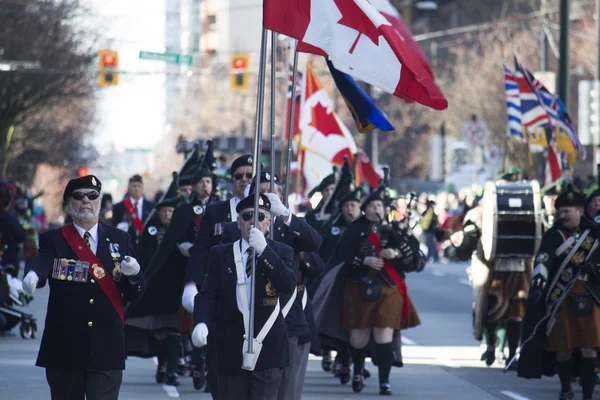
<point x="265" y="177"/>
<point x="242" y="161"/>
<point x="248" y="202"/>
<point x="328" y="180"/>
<point x="376" y="195"/>
<point x="202" y="173"/>
<point x="595" y="193"/>
<point x="85" y="182"/>
<point x="136" y="178"/>
<point x="184" y="181"/>
<point x="354" y="195"/>
<point x="570" y="198"/>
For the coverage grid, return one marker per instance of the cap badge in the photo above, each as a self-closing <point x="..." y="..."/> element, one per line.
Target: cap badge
<point x="94" y="181"/>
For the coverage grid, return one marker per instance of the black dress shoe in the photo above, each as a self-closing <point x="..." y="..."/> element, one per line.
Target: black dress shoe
<point x="173" y="379"/>
<point x="489" y="356"/>
<point x="161" y="374"/>
<point x="336" y="368"/>
<point x="357" y="383"/>
<point x="385" y="389"/>
<point x="198" y="378"/>
<point x="344" y="374"/>
<point x="398" y="364"/>
<point x="326" y="363"/>
<point x="366" y="373"/>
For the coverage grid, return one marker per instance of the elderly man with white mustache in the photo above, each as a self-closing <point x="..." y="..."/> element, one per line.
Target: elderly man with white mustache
<point x="91" y="273"/>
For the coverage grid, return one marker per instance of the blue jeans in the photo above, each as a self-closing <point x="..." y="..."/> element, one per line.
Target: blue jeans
<point x="431" y="247"/>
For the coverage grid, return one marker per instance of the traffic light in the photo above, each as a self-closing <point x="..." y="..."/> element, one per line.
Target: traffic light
<point x="83" y="171"/>
<point x="240" y="78"/>
<point x="109" y="66"/>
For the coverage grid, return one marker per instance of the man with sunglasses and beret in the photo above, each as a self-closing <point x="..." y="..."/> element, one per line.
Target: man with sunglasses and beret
<point x="209" y="234"/>
<point x="91" y="273"/>
<point x="131" y="214"/>
<point x="225" y="298"/>
<point x="297" y="308"/>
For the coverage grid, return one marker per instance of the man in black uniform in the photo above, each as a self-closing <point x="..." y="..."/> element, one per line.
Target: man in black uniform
<point x="317" y="217"/>
<point x="224" y="299"/>
<point x="131" y="214"/>
<point x="299" y="235"/>
<point x="91" y="273"/>
<point x="563" y="307"/>
<point x="155" y="230"/>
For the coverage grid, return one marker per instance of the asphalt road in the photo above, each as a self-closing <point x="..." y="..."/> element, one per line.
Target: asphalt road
<point x="441" y="357"/>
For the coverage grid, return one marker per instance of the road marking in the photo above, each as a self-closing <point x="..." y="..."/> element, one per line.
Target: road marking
<point x="464" y="281"/>
<point x="171" y="391"/>
<point x="408" y="341"/>
<point x="513" y="395"/>
<point x="437" y="273"/>
<point x="446" y="362"/>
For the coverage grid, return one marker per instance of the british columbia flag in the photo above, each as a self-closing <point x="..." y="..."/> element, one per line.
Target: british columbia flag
<point x="513" y="105"/>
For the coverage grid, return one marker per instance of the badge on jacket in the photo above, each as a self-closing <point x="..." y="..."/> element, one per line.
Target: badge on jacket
<point x="270" y="289"/>
<point x="152" y="230"/>
<point x="198" y="209"/>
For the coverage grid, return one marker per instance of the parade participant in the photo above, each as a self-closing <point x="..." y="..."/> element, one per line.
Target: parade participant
<point x="91" y="272"/>
<point x="296" y="233"/>
<point x="317" y="217"/>
<point x="375" y="298"/>
<point x="215" y="217"/>
<point x="500" y="285"/>
<point x="224" y="299"/>
<point x="131" y="214"/>
<point x="592" y="206"/>
<point x="563" y="308"/>
<point x="155" y="230"/>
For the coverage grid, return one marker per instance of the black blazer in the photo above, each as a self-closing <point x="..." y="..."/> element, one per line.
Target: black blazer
<point x="120" y="214"/>
<point x="69" y="342"/>
<point x="216" y="216"/>
<point x="217" y="301"/>
<point x="301" y="237"/>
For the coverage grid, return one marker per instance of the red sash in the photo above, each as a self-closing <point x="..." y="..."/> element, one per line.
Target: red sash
<point x="103" y="278"/>
<point x="132" y="211"/>
<point x="391" y="271"/>
<point x="197" y="221"/>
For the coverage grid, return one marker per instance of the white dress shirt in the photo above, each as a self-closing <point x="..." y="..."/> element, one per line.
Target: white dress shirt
<point x="93" y="236"/>
<point x="139" y="205"/>
<point x="245" y="246"/>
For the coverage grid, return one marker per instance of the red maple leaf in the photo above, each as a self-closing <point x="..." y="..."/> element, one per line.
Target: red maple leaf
<point x="354" y="18"/>
<point x="324" y="121"/>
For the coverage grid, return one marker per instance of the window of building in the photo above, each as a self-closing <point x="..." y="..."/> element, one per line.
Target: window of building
<point x="211" y="22"/>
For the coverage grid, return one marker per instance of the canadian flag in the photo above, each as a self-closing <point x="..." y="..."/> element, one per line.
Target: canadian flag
<point x="360" y="41"/>
<point x="365" y="171"/>
<point x="324" y="140"/>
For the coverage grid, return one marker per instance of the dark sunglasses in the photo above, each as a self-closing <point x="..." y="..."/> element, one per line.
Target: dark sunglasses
<point x="248" y="215"/>
<point x="89" y="195"/>
<point x="239" y="177"/>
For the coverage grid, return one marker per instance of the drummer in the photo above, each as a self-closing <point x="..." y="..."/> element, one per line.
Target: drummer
<point x="500" y="285"/>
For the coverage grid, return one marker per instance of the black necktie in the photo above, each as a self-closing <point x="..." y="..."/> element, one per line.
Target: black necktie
<point x="86" y="239"/>
<point x="249" y="262"/>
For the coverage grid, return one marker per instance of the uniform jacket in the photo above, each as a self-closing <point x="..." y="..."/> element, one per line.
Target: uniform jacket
<point x="120" y="214"/>
<point x="311" y="268"/>
<point x="217" y="301"/>
<point x="166" y="270"/>
<point x="533" y="360"/>
<point x="215" y="217"/>
<point x="82" y="328"/>
<point x="301" y="237"/>
<point x="331" y="238"/>
<point x="148" y="243"/>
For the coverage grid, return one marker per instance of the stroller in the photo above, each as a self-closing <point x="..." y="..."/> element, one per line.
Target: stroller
<point x="11" y="295"/>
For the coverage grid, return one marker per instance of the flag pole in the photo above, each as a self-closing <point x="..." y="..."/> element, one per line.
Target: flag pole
<point x="257" y="155"/>
<point x="290" y="128"/>
<point x="272" y="114"/>
<point x="299" y="174"/>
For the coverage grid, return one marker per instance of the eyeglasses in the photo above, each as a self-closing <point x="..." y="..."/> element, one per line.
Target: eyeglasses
<point x="248" y="215"/>
<point x="89" y="195"/>
<point x="239" y="177"/>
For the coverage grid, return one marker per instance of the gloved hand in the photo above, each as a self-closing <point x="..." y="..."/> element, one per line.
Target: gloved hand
<point x="30" y="282"/>
<point x="277" y="207"/>
<point x="15" y="286"/>
<point x="540" y="276"/>
<point x="200" y="335"/>
<point x="184" y="248"/>
<point x="257" y="240"/>
<point x="124" y="226"/>
<point x="130" y="266"/>
<point x="189" y="294"/>
<point x="374" y="262"/>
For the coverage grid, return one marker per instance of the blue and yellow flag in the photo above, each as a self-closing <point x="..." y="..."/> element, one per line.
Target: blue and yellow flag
<point x="364" y="111"/>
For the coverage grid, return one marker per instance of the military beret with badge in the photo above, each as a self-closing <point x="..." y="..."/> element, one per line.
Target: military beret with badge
<point x="85" y="182"/>
<point x="265" y="177"/>
<point x="355" y="195"/>
<point x="570" y="198"/>
<point x="243" y="161"/>
<point x="202" y="173"/>
<point x="248" y="202"/>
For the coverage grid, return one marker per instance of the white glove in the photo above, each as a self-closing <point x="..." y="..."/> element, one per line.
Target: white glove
<point x="30" y="282"/>
<point x="130" y="266"/>
<point x="184" y="248"/>
<point x="15" y="285"/>
<point x="257" y="240"/>
<point x="277" y="207"/>
<point x="189" y="294"/>
<point x="124" y="226"/>
<point x="200" y="335"/>
<point x="540" y="276"/>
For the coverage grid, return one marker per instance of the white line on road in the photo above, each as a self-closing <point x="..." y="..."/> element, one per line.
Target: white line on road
<point x="171" y="391"/>
<point x="464" y="281"/>
<point x="446" y="362"/>
<point x="408" y="341"/>
<point x="437" y="273"/>
<point x="513" y="395"/>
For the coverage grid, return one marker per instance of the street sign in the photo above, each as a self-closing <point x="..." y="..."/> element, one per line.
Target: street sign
<point x="475" y="132"/>
<point x="173" y="58"/>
